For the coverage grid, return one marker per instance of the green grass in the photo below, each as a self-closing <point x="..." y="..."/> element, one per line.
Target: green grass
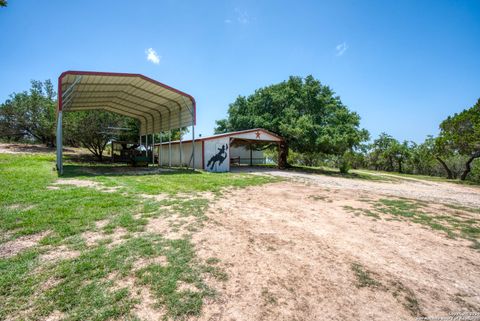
<point x="268" y="297"/>
<point x="455" y="224"/>
<point x="320" y="198"/>
<point x="463" y="208"/>
<point x="405" y="296"/>
<point x="170" y="182"/>
<point x="86" y="287"/>
<point x="363" y="276"/>
<point x="362" y="211"/>
<point x="29" y="207"/>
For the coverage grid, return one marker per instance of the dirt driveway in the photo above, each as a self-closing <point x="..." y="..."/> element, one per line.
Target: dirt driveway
<point x="293" y="251"/>
<point x="439" y="192"/>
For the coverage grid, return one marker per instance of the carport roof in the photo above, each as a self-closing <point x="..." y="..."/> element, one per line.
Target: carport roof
<point x="157" y="106"/>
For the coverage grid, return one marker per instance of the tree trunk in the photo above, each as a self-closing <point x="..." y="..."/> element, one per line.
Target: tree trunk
<point x="390" y="164"/>
<point x="399" y="166"/>
<point x="468" y="168"/>
<point x="449" y="172"/>
<point x="282" y="155"/>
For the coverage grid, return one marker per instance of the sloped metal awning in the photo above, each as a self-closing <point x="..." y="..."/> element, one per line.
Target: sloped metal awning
<point x="157" y="106"/>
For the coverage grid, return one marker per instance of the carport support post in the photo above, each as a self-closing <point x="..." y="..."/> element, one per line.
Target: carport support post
<point x="59" y="142"/>
<point x="180" y="129"/>
<point x="160" y="147"/>
<point x="193" y="145"/>
<point x="170" y="148"/>
<point x="169" y="139"/>
<point x="153" y="147"/>
<point x="251" y="160"/>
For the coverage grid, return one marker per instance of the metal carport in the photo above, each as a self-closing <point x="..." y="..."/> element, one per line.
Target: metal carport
<point x="158" y="107"/>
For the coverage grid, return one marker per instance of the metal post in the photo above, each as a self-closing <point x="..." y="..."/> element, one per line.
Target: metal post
<point x="160" y="147"/>
<point x="170" y="148"/>
<point x="169" y="139"/>
<point x="251" y="163"/>
<point x="160" y="128"/>
<point x="59" y="143"/>
<point x="193" y="131"/>
<point x="180" y="130"/>
<point x="153" y="146"/>
<point x="193" y="145"/>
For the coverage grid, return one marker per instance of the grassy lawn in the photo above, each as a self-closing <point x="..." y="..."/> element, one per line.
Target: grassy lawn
<point x="455" y="221"/>
<point x="103" y="277"/>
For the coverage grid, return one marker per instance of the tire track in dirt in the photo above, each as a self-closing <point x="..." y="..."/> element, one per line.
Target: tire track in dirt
<point x="289" y="248"/>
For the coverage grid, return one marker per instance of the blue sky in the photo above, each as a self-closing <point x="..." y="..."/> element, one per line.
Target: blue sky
<point x="402" y="65"/>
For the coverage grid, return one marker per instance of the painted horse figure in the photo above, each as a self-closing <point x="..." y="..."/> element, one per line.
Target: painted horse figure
<point x="218" y="157"/>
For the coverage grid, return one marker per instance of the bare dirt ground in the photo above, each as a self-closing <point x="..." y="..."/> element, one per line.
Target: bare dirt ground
<point x="30" y="148"/>
<point x="291" y="251"/>
<point x="440" y="192"/>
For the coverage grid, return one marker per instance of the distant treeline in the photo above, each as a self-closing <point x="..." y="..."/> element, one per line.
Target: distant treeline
<point x="318" y="130"/>
<point x="30" y="116"/>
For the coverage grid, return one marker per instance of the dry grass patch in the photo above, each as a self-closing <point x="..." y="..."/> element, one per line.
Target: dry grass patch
<point x="455" y="221"/>
<point x="117" y="236"/>
<point x="82" y="183"/>
<point x="14" y="247"/>
<point x="58" y="253"/>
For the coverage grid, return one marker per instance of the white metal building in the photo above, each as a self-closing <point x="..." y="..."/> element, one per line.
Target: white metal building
<point x="216" y="153"/>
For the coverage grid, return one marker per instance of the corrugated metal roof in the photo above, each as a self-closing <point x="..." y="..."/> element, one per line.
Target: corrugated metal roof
<point x="157" y="106"/>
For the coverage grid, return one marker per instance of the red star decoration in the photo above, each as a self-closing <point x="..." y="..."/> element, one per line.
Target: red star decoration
<point x="257" y="134"/>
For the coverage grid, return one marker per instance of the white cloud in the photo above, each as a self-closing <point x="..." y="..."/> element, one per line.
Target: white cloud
<point x="152" y="56"/>
<point x="341" y="48"/>
<point x="242" y="16"/>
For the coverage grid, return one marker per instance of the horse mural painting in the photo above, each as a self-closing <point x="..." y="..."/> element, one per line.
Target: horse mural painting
<point x="218" y="157"/>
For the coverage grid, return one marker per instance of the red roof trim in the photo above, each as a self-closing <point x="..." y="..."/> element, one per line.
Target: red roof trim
<point x="202" y="139"/>
<point x="243" y="132"/>
<point x="99" y="73"/>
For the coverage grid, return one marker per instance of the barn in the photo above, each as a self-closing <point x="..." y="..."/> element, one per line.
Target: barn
<point x="218" y="153"/>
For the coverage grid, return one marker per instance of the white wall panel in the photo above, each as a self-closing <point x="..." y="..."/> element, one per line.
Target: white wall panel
<point x="217" y="157"/>
<point x="186" y="154"/>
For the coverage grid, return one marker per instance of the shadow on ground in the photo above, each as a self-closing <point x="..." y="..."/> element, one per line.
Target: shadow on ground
<point x="70" y="170"/>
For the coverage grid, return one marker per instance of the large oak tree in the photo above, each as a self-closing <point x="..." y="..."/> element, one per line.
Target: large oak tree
<point x="309" y="115"/>
<point x="30" y="114"/>
<point x="460" y="133"/>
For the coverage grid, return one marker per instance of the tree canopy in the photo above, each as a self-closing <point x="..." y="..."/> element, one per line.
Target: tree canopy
<point x="94" y="129"/>
<point x="460" y="134"/>
<point x="30" y="114"/>
<point x="303" y="111"/>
